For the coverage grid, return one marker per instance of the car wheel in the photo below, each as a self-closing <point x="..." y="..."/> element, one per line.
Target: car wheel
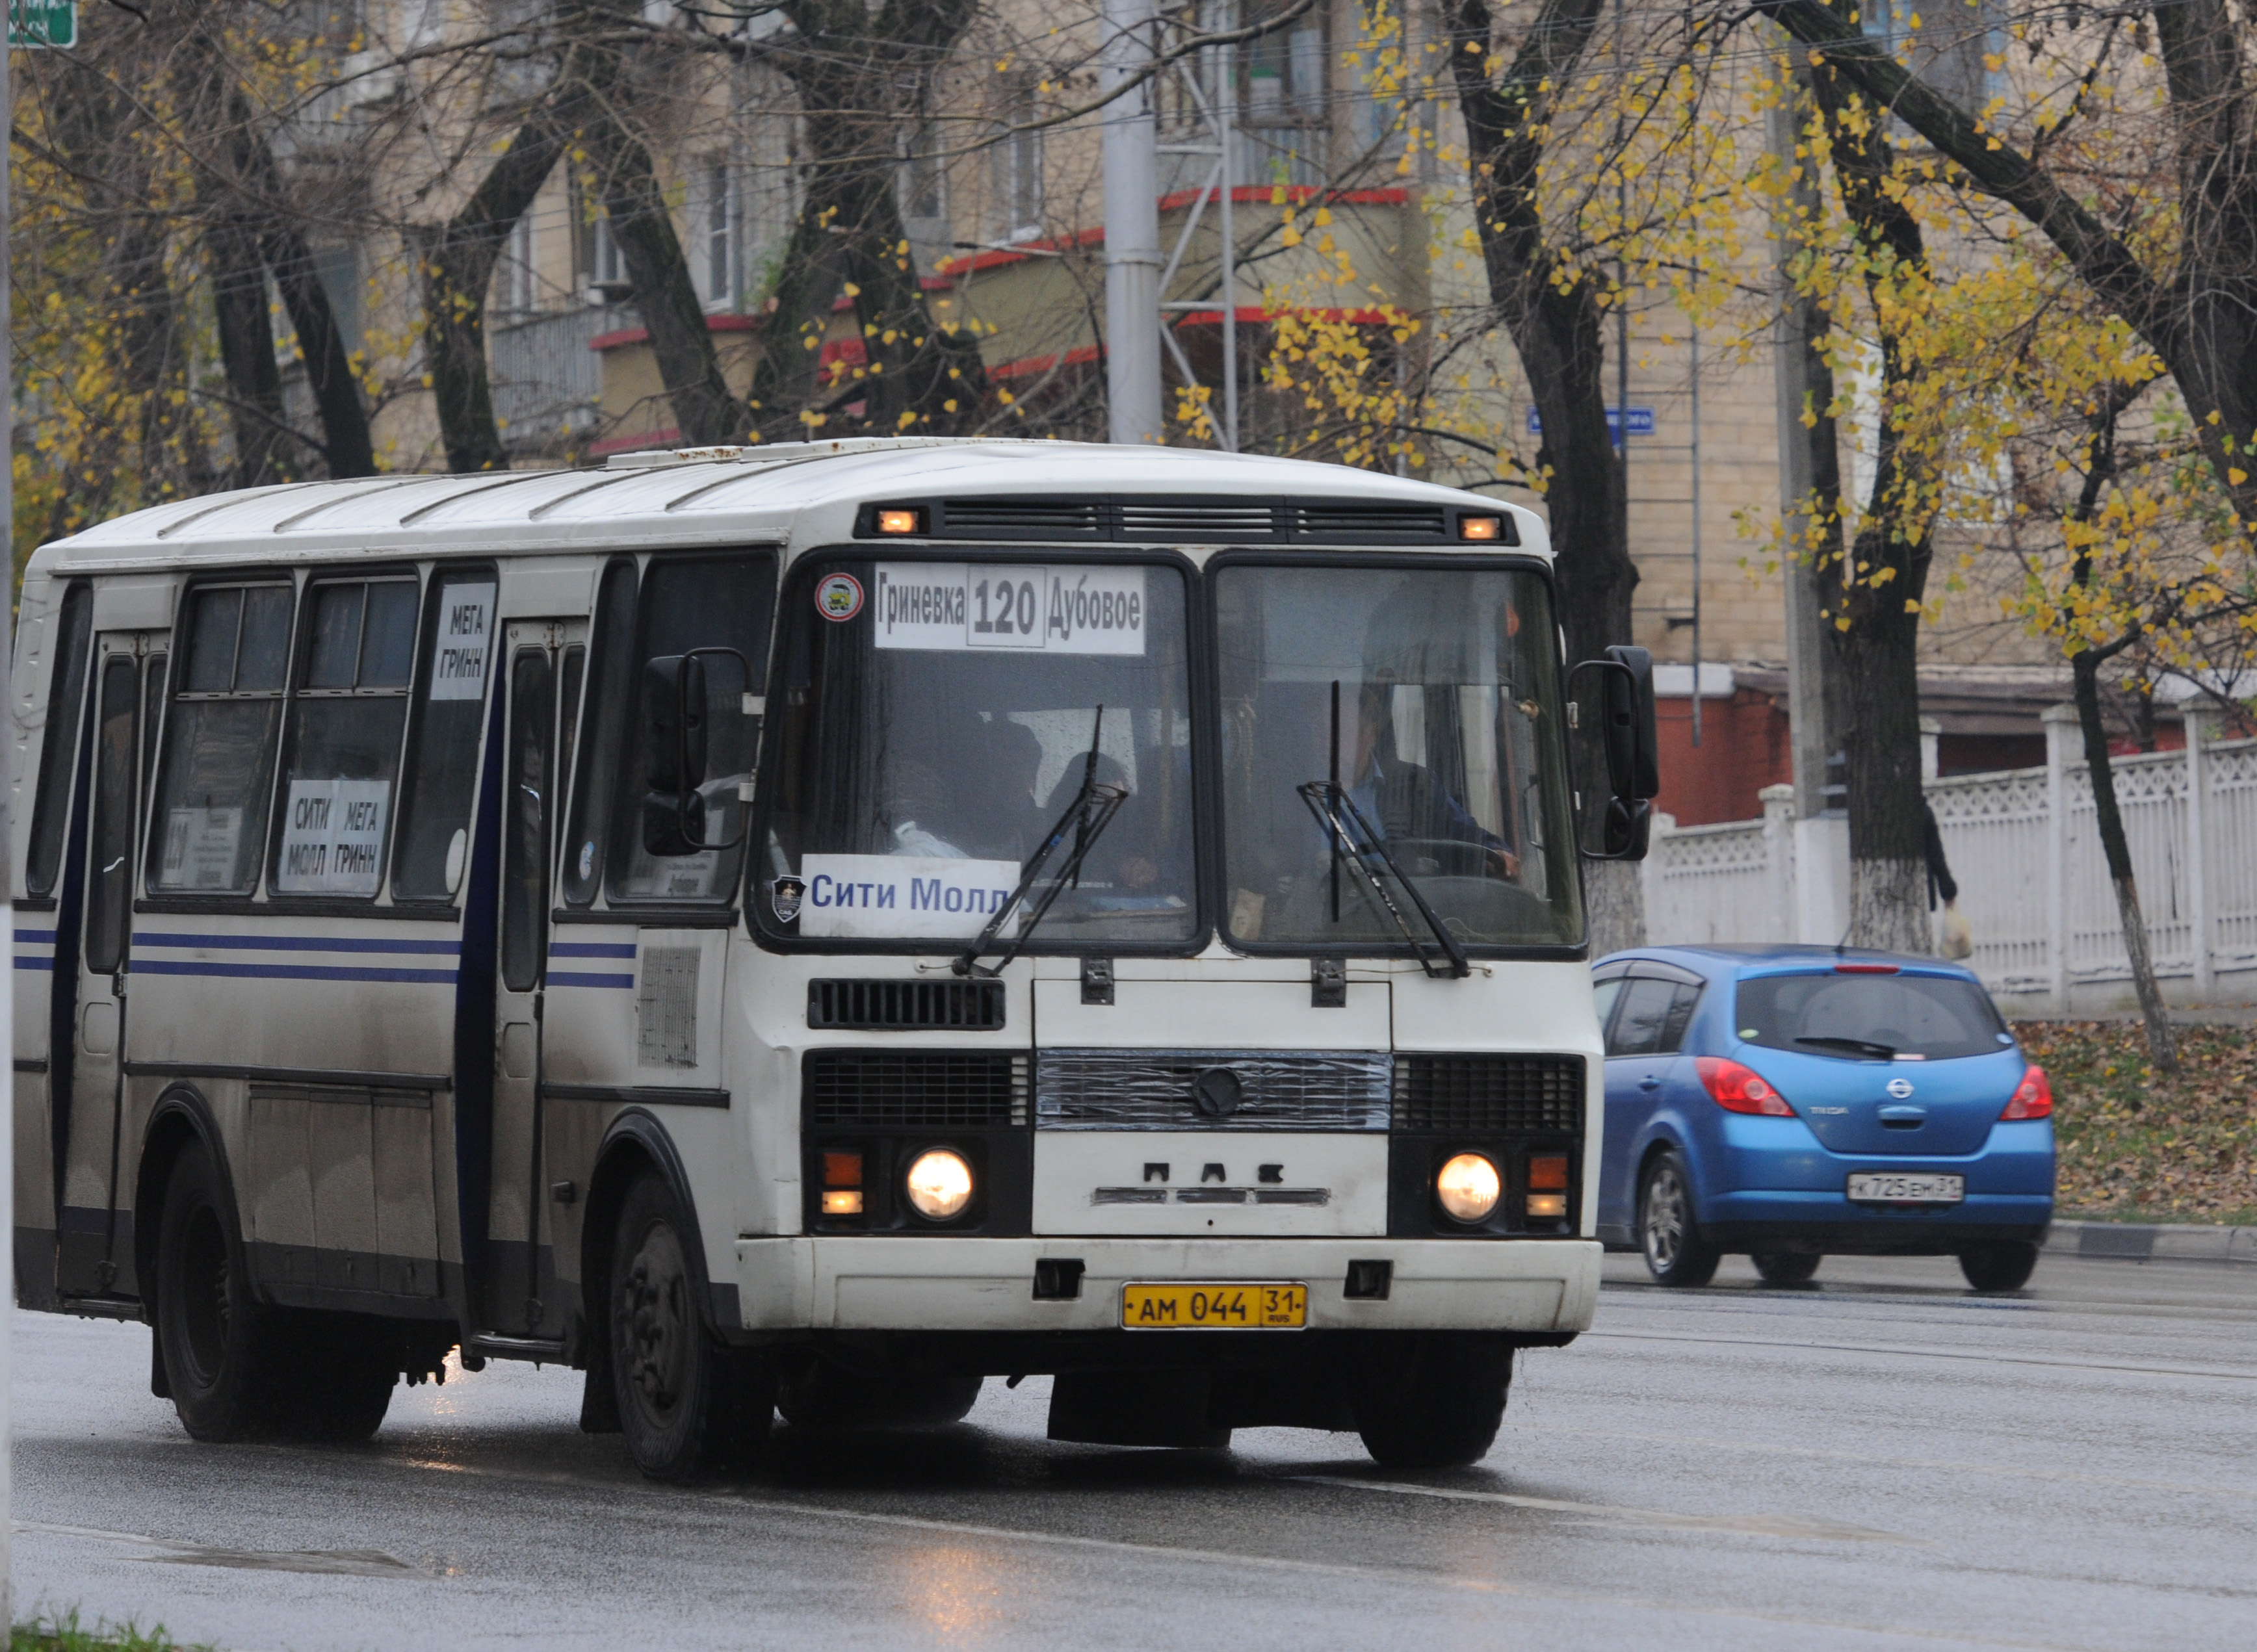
<point x="686" y="1403"/>
<point x="218" y="1342"/>
<point x="1787" y="1267"/>
<point x="2000" y="1264"/>
<point x="1669" y="1229"/>
<point x="1436" y="1403"/>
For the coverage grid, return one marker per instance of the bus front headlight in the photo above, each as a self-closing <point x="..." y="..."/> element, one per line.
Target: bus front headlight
<point x="939" y="1184"/>
<point x="1468" y="1187"/>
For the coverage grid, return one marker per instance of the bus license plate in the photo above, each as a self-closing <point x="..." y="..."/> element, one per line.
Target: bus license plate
<point x="1230" y="1306"/>
<point x="1907" y="1189"/>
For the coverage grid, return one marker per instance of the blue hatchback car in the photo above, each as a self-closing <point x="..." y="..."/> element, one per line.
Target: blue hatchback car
<point x="1791" y="1101"/>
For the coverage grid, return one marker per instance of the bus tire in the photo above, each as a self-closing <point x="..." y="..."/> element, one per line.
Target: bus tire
<point x="343" y="1371"/>
<point x="217" y="1341"/>
<point x="823" y="1397"/>
<point x="686" y="1403"/>
<point x="1437" y="1404"/>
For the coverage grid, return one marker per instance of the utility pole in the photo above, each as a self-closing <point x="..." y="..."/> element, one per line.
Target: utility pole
<point x="1132" y="224"/>
<point x="1807" y="470"/>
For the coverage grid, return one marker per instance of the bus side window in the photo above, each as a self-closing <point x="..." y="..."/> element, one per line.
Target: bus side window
<point x="611" y="691"/>
<point x="719" y="602"/>
<point x="346" y="720"/>
<point x="442" y="763"/>
<point x="218" y="764"/>
<point x="58" y="751"/>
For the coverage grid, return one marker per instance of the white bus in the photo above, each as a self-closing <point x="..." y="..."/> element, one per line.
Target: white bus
<point x="810" y="928"/>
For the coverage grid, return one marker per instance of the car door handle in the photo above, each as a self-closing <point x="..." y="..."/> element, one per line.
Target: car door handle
<point x="1650" y="1082"/>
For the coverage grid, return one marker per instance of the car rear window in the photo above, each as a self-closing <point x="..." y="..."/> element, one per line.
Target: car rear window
<point x="1870" y="1016"/>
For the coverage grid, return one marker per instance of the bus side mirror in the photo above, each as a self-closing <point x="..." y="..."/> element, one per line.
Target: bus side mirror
<point x="696" y="715"/>
<point x="1625" y="730"/>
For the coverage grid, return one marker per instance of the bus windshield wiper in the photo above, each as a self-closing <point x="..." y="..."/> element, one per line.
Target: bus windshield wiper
<point x="1087" y="816"/>
<point x="1855" y="1045"/>
<point x="1336" y="812"/>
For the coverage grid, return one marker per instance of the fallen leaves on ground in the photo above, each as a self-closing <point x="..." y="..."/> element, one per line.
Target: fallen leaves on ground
<point x="2137" y="1146"/>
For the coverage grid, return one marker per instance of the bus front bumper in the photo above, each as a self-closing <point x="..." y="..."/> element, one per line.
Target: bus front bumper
<point x="1532" y="1286"/>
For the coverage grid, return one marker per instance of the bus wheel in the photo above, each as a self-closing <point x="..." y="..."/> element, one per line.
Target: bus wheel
<point x="823" y="1397"/>
<point x="686" y="1403"/>
<point x="1435" y="1404"/>
<point x="218" y="1342"/>
<point x="343" y="1371"/>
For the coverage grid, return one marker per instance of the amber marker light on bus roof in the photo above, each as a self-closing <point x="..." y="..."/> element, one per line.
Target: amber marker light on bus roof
<point x="900" y="521"/>
<point x="1490" y="529"/>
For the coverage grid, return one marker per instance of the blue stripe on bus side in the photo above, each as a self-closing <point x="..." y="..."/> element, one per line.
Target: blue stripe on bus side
<point x="293" y="943"/>
<point x="574" y="978"/>
<point x="47" y="964"/>
<point x="591" y="950"/>
<point x="47" y="935"/>
<point x="290" y="971"/>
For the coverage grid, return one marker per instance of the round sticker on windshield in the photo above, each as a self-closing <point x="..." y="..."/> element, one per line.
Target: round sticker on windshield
<point x="839" y="597"/>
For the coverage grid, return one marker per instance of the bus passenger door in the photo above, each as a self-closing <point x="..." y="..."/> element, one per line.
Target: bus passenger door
<point x="91" y="1245"/>
<point x="544" y="662"/>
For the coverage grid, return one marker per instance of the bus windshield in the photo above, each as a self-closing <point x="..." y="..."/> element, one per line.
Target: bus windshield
<point x="1387" y="731"/>
<point x="939" y="719"/>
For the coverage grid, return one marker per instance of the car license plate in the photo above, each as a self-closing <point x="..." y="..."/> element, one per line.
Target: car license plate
<point x="1891" y="1189"/>
<point x="1236" y="1305"/>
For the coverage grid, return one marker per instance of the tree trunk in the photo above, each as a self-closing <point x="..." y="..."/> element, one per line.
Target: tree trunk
<point x="1882" y="583"/>
<point x="1557" y="327"/>
<point x="2163" y="1043"/>
<point x="859" y="75"/>
<point x="262" y="439"/>
<point x="458" y="260"/>
<point x="706" y="413"/>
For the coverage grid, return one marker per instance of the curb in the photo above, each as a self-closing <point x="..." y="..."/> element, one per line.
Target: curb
<point x="2152" y="1242"/>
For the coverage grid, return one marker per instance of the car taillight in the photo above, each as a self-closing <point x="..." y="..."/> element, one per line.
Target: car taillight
<point x="2032" y="1096"/>
<point x="1738" y="1088"/>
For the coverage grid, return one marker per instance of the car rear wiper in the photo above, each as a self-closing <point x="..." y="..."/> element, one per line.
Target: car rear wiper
<point x="1860" y="1046"/>
<point x="1335" y="811"/>
<point x="1090" y="813"/>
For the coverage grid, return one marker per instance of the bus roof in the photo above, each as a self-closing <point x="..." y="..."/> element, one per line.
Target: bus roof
<point x="804" y="492"/>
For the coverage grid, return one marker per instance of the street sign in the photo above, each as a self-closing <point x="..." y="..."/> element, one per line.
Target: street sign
<point x="1641" y="422"/>
<point x="40" y="24"/>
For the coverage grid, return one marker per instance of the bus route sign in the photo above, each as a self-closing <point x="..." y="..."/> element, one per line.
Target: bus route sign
<point x="42" y="24"/>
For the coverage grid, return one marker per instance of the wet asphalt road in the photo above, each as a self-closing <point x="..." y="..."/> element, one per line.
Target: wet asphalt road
<point x="1882" y="1460"/>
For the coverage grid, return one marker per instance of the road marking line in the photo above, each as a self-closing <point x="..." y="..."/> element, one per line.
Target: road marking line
<point x="1915" y="1351"/>
<point x="2066" y="1475"/>
<point x="1224" y="1557"/>
<point x="1747" y="1525"/>
<point x="359" y="1563"/>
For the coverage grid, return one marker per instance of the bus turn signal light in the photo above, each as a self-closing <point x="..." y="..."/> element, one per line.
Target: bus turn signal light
<point x="1488" y="530"/>
<point x="1738" y="1088"/>
<point x="1548" y="1172"/>
<point x="2032" y="1096"/>
<point x="842" y="1184"/>
<point x="902" y="521"/>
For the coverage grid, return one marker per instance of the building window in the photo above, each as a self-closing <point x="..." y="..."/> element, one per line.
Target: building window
<point x="1018" y="154"/>
<point x="715" y="231"/>
<point x="520" y="285"/>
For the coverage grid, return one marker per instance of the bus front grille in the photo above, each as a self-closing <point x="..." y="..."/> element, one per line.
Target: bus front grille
<point x="1490" y="1095"/>
<point x="1210" y="1090"/>
<point x="884" y="1005"/>
<point x="914" y="1090"/>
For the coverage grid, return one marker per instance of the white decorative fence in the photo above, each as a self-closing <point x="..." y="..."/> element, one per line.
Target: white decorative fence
<point x="2024" y="848"/>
